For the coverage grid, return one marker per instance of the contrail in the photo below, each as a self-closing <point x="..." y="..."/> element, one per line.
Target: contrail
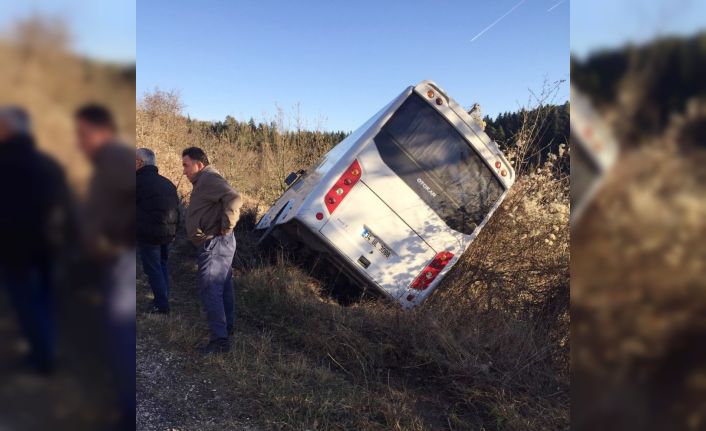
<point x="497" y="20"/>
<point x="553" y="7"/>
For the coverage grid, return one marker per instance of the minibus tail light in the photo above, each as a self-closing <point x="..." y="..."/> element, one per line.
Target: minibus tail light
<point x="342" y="187"/>
<point x="428" y="275"/>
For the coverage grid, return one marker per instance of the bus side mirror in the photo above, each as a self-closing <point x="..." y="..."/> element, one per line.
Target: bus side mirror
<point x="291" y="178"/>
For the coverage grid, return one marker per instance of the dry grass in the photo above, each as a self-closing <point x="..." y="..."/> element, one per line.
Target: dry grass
<point x="488" y="351"/>
<point x="256" y="161"/>
<point x="40" y="73"/>
<point x="304" y="362"/>
<point x="638" y="285"/>
<point x="638" y="297"/>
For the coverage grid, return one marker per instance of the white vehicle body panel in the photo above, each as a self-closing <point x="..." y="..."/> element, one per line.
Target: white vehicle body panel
<point x="384" y="204"/>
<point x="408" y="249"/>
<point x="592" y="139"/>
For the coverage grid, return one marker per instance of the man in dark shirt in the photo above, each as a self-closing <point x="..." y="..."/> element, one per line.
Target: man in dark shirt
<point x="109" y="237"/>
<point x="35" y="212"/>
<point x="157" y="221"/>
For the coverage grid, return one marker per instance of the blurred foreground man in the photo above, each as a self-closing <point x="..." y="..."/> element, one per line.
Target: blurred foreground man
<point x="213" y="211"/>
<point x="109" y="237"/>
<point x="32" y="221"/>
<point x="157" y="221"/>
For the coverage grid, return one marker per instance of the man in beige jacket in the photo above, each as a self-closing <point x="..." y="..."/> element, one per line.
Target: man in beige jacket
<point x="213" y="211"/>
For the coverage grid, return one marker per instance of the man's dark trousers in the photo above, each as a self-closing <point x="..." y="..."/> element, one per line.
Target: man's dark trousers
<point x="154" y="263"/>
<point x="32" y="297"/>
<point x="215" y="283"/>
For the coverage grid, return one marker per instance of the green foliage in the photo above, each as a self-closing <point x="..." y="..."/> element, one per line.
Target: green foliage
<point x="654" y="80"/>
<point x="553" y="131"/>
<point x="253" y="135"/>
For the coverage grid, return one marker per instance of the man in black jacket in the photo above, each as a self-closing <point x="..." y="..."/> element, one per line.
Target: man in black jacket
<point x="35" y="212"/>
<point x="157" y="221"/>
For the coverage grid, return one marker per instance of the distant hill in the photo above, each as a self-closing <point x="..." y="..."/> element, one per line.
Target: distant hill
<point x="653" y="80"/>
<point x="51" y="83"/>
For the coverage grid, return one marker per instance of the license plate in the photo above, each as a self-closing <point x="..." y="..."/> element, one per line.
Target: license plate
<point x="376" y="243"/>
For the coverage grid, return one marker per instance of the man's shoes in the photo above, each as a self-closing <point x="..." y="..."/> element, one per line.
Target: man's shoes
<point x="157" y="310"/>
<point x="217" y="346"/>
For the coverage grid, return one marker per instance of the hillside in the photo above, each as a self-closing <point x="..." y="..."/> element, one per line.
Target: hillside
<point x="637" y="274"/>
<point x="489" y="350"/>
<point x="643" y="86"/>
<point x="51" y="84"/>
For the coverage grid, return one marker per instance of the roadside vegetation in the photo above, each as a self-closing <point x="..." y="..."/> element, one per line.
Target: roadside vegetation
<point x="638" y="255"/>
<point x="41" y="74"/>
<point x="488" y="351"/>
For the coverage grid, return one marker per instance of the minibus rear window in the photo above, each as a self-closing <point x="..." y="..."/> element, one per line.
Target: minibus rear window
<point x="437" y="162"/>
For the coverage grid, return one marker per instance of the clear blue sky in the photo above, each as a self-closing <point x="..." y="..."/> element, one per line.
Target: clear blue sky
<point x="599" y="24"/>
<point x="102" y="29"/>
<point x="343" y="60"/>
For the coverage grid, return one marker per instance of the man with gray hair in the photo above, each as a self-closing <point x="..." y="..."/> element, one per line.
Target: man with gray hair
<point x="32" y="228"/>
<point x="157" y="221"/>
<point x="145" y="157"/>
<point x="14" y="121"/>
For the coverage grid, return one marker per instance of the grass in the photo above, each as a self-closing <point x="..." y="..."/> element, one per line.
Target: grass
<point x="489" y="350"/>
<point x="302" y="361"/>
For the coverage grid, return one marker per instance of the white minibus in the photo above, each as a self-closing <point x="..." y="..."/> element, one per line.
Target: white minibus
<point x="396" y="203"/>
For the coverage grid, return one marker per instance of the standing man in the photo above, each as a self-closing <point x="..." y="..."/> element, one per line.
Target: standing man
<point x="33" y="221"/>
<point x="210" y="219"/>
<point x="109" y="237"/>
<point x="157" y="221"/>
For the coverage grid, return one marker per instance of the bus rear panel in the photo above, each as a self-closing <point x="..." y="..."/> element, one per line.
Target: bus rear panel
<point x="399" y="201"/>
